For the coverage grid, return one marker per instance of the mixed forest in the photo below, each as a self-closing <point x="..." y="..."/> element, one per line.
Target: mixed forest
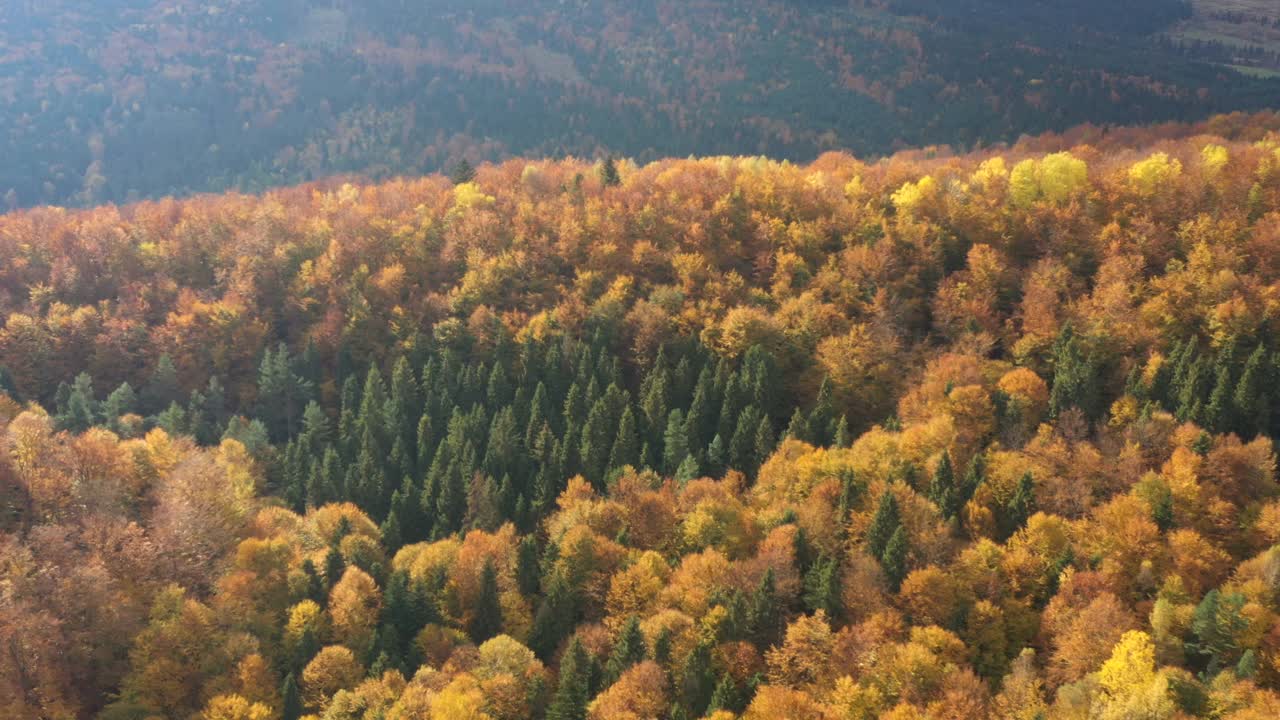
<point x="116" y="100"/>
<point x="942" y="435"/>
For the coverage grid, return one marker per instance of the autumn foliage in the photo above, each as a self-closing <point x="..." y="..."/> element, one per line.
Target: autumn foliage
<point x="938" y="436"/>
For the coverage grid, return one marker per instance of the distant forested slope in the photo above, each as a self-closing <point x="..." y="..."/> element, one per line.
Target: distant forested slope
<point x="112" y="100"/>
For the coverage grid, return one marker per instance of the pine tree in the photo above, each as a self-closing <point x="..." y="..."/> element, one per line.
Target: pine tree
<point x="574" y="688"/>
<point x="1020" y="506"/>
<point x="487" y="621"/>
<point x="1074" y="377"/>
<point x="121" y="401"/>
<point x="726" y="696"/>
<point x="822" y="587"/>
<point x="894" y="560"/>
<point x="798" y="427"/>
<point x="555" y="617"/>
<point x="942" y="489"/>
<point x="765" y="442"/>
<point x="597" y="441"/>
<point x="626" y="445"/>
<point x="822" y="421"/>
<point x="628" y="650"/>
<point x="885" y="522"/>
<point x="717" y="458"/>
<point x="462" y="172"/>
<point x="291" y="699"/>
<point x="528" y="574"/>
<point x="764" y="613"/>
<point x="173" y="420"/>
<point x="162" y="389"/>
<point x="689" y="469"/>
<point x="742" y="448"/>
<point x="1218" y="415"/>
<point x="842" y="437"/>
<point x="697" y="679"/>
<point x="1252" y="416"/>
<point x="609" y="173"/>
<point x="81" y="408"/>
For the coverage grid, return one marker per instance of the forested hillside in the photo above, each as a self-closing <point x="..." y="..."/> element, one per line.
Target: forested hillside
<point x="114" y="100"/>
<point x="977" y="436"/>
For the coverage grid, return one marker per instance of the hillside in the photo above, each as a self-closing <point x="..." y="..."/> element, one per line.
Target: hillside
<point x="121" y="99"/>
<point x="937" y="436"/>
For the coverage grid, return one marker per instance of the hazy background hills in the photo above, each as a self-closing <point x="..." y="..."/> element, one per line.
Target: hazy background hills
<point x="118" y="99"/>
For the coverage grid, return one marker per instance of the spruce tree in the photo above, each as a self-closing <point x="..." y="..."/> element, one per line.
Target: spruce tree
<point x="697" y="679"/>
<point x="842" y="437"/>
<point x="883" y="524"/>
<point x="573" y="690"/>
<point x="291" y="699"/>
<point x="609" y="173"/>
<point x="1248" y="407"/>
<point x="462" y="172"/>
<point x="162" y="389"/>
<point x="894" y="560"/>
<point x="764" y="613"/>
<point x="81" y="408"/>
<point x="1020" y="506"/>
<point x="626" y="445"/>
<point x="942" y="489"/>
<point x="487" y="621"/>
<point x="628" y="650"/>
<point x="121" y="401"/>
<point x="822" y="587"/>
<point x="726" y="696"/>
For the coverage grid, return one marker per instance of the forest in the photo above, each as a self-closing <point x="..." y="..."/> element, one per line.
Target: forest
<point x="948" y="436"/>
<point x="120" y="100"/>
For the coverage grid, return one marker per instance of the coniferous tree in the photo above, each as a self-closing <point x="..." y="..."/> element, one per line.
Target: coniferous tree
<point x="1248" y="402"/>
<point x="462" y="172"/>
<point x="842" y="438"/>
<point x="291" y="699"/>
<point x="628" y="649"/>
<point x="162" y="389"/>
<point x="609" y="173"/>
<point x="574" y="689"/>
<point x="726" y="696"/>
<point x="884" y="523"/>
<point x="1218" y="413"/>
<point x="487" y="621"/>
<point x="528" y="574"/>
<point x="798" y="427"/>
<point x="894" y="560"/>
<point x="1074" y="377"/>
<point x="626" y="445"/>
<point x="764" y="613"/>
<point x="942" y="489"/>
<point x="697" y="679"/>
<point x="1020" y="506"/>
<point x="121" y="401"/>
<point x="81" y="409"/>
<point x="822" y="587"/>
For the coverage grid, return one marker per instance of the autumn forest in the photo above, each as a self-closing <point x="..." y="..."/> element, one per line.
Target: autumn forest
<point x="941" y="435"/>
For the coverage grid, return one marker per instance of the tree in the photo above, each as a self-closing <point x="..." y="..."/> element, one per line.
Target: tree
<point x="609" y="173"/>
<point x="884" y="523"/>
<point x="162" y="389"/>
<point x="487" y="620"/>
<point x="1020" y="506"/>
<point x="334" y="668"/>
<point x="462" y="172"/>
<point x="573" y="691"/>
<point x="628" y="650"/>
<point x="81" y="408"/>
<point x="943" y="491"/>
<point x="894" y="560"/>
<point x="291" y="707"/>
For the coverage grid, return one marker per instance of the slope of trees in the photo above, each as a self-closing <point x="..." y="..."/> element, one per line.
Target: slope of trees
<point x="121" y="99"/>
<point x="939" y="436"/>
